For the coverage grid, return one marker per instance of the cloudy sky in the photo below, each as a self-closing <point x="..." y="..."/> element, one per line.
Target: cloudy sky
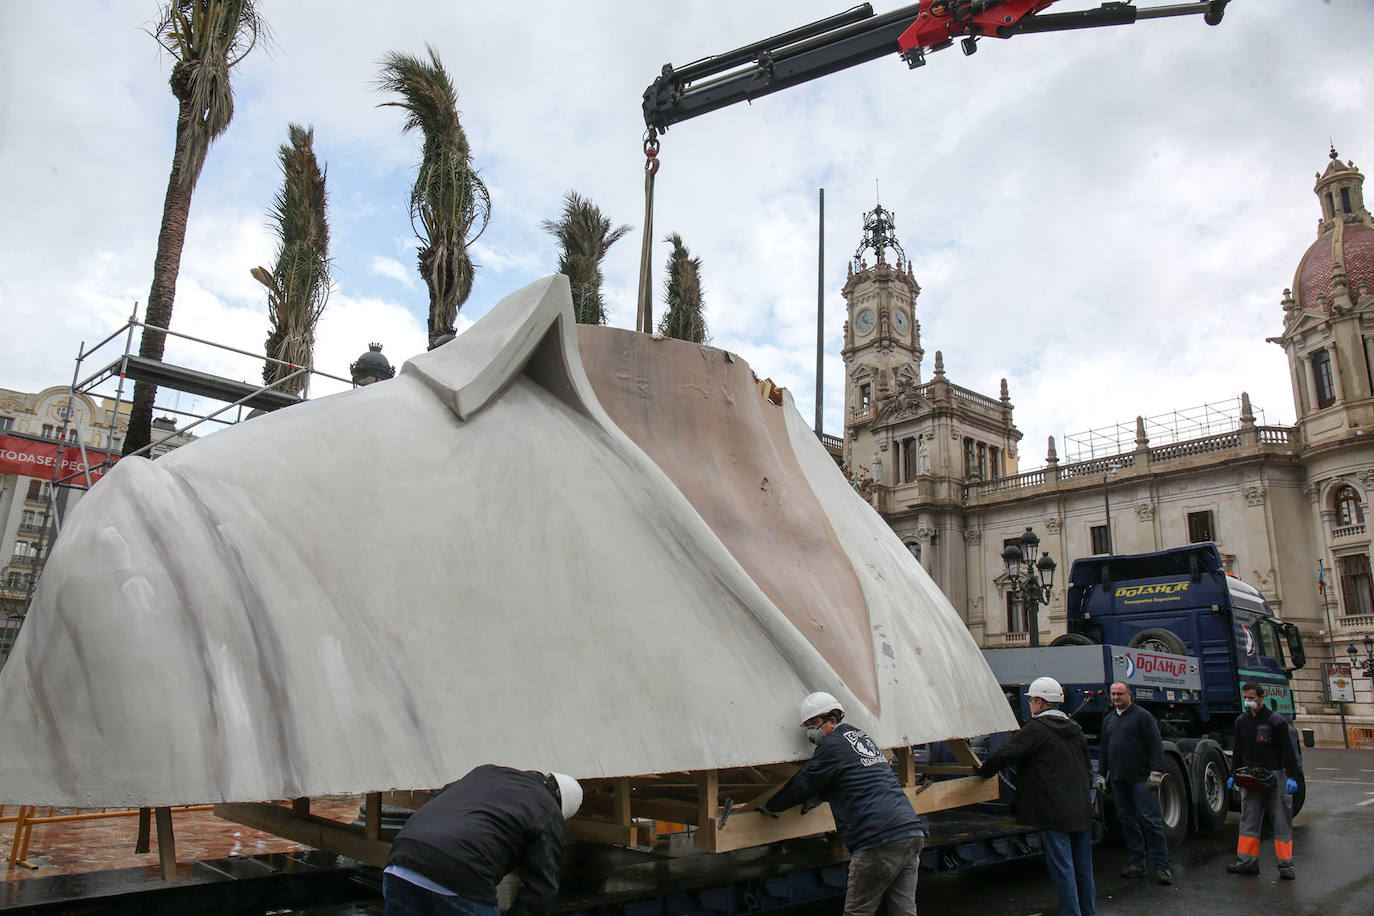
<point x="1107" y="218"/>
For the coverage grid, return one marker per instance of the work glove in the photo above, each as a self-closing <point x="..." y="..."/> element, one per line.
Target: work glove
<point x="1100" y="783"/>
<point x="1230" y="782"/>
<point x="1155" y="781"/>
<point x="1291" y="786"/>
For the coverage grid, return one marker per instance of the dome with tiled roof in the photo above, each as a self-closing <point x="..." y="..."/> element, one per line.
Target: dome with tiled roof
<point x="1340" y="263"/>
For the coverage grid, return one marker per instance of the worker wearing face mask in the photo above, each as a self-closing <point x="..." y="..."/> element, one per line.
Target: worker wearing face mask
<point x="872" y="814"/>
<point x="1264" y="764"/>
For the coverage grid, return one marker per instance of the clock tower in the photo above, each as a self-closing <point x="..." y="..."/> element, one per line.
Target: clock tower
<point x="882" y="338"/>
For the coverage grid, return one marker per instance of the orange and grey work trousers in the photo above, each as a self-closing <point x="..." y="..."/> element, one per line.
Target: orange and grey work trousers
<point x="1255" y="805"/>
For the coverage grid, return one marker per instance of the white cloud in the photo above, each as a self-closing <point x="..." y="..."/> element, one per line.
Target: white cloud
<point x="393" y="269"/>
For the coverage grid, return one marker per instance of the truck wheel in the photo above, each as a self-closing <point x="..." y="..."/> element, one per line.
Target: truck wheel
<point x="1071" y="639"/>
<point x="1158" y="639"/>
<point x="1173" y="801"/>
<point x="1213" y="798"/>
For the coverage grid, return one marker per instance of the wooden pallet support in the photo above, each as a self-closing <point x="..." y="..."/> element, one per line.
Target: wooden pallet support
<point x="166" y="843"/>
<point x="310" y="830"/>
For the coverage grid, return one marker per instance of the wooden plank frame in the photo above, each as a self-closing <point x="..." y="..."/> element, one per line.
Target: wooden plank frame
<point x="719" y="805"/>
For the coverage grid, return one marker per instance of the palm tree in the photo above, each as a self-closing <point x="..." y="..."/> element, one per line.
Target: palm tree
<point x="207" y="39"/>
<point x="298" y="287"/>
<point x="584" y="235"/>
<point x="685" y="318"/>
<point x="449" y="205"/>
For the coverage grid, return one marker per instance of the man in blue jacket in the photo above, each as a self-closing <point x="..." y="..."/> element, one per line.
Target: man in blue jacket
<point x="1132" y="759"/>
<point x="873" y="816"/>
<point x="454" y="851"/>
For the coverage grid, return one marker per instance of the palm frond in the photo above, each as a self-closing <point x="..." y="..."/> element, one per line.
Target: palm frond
<point x="584" y="236"/>
<point x="450" y="205"/>
<point x="685" y="317"/>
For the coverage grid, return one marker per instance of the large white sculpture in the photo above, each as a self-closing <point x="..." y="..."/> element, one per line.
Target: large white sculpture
<point x="490" y="558"/>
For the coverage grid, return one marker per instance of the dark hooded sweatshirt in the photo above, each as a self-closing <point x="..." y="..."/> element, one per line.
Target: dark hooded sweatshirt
<point x="475" y="831"/>
<point x="1053" y="773"/>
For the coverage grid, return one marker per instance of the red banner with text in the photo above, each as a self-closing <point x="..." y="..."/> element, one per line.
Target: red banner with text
<point x="36" y="457"/>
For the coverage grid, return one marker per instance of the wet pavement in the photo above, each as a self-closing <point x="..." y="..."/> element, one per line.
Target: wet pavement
<point x="1333" y="848"/>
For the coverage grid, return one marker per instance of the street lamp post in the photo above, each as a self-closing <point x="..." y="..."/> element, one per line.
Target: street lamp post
<point x="1368" y="664"/>
<point x="1031" y="580"/>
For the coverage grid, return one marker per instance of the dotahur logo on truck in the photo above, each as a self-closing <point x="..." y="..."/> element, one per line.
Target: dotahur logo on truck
<point x="1150" y="594"/>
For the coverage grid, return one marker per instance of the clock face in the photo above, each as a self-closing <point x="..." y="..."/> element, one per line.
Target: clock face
<point x="899" y="321"/>
<point x="864" y="322"/>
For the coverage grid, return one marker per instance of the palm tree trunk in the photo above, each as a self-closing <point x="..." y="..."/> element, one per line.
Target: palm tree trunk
<point x="171" y="238"/>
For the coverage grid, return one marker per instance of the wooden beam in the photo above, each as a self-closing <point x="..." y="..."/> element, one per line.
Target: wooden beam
<point x="708" y="789"/>
<point x="144" y="842"/>
<point x="945" y="769"/>
<point x="750" y="828"/>
<point x="316" y="832"/>
<point x="166" y="843"/>
<point x="411" y="800"/>
<point x="300" y="806"/>
<point x="663" y="809"/>
<point x="906" y="774"/>
<point x="582" y="828"/>
<point x="621" y="798"/>
<point x="962" y="752"/>
<point x="372" y="815"/>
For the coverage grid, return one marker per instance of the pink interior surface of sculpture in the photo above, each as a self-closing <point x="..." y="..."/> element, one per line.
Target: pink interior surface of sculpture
<point x="741" y="475"/>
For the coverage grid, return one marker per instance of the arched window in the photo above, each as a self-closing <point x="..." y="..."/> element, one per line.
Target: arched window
<point x="915" y="549"/>
<point x="1349" y="511"/>
<point x="1322" y="379"/>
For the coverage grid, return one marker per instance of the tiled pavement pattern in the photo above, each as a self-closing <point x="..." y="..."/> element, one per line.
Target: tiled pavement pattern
<point x="74" y="847"/>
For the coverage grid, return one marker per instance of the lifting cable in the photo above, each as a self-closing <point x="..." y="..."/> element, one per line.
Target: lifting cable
<point x="644" y="317"/>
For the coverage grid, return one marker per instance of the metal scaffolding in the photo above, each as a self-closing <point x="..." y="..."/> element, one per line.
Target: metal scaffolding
<point x="1207" y="419"/>
<point x="233" y="395"/>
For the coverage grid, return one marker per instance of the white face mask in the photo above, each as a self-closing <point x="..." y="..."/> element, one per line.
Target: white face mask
<point x="1251" y="705"/>
<point x="814" y="734"/>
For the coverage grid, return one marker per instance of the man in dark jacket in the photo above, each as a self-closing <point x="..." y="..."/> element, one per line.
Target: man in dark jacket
<point x="1132" y="758"/>
<point x="1263" y="740"/>
<point x="873" y="816"/>
<point x="1054" y="793"/>
<point x="454" y="851"/>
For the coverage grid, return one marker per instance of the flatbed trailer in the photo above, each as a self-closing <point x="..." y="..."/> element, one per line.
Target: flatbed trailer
<point x="598" y="880"/>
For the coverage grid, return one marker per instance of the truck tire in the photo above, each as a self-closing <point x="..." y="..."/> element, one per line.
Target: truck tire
<point x="1158" y="639"/>
<point x="1071" y="639"/>
<point x="1213" y="799"/>
<point x="1173" y="801"/>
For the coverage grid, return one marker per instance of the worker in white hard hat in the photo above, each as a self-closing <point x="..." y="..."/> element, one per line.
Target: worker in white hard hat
<point x="1053" y="786"/>
<point x="873" y="816"/>
<point x="454" y="851"/>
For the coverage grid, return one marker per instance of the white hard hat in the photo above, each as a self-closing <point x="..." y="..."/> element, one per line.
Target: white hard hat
<point x="1047" y="689"/>
<point x="818" y="704"/>
<point x="570" y="790"/>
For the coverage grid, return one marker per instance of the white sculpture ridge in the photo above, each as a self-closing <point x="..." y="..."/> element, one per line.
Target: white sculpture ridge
<point x="469" y="563"/>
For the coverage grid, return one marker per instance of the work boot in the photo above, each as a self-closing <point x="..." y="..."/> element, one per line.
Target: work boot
<point x="1243" y="868"/>
<point x="1164" y="876"/>
<point x="1133" y="871"/>
<point x="1286" y="872"/>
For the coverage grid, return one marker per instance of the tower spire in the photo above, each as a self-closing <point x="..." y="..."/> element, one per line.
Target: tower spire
<point x="880" y="234"/>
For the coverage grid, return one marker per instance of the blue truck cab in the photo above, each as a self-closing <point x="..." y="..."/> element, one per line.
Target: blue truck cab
<point x="1181" y="601"/>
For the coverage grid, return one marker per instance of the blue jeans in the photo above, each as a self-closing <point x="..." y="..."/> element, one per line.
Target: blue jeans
<point x="405" y="899"/>
<point x="1138" y="810"/>
<point x="1070" y="858"/>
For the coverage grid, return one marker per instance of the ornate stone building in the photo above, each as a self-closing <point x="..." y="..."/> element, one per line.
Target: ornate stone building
<point x="1284" y="504"/>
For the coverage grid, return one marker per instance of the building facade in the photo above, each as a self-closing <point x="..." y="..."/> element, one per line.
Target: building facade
<point x="1285" y="505"/>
